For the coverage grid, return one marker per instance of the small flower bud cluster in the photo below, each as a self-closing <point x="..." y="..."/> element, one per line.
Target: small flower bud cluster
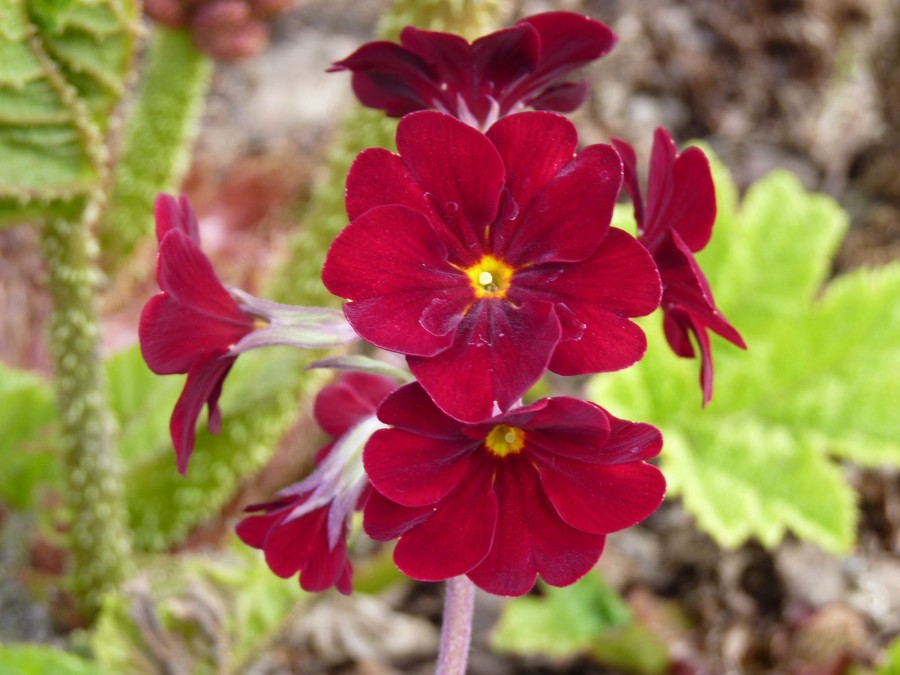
<point x="227" y="30"/>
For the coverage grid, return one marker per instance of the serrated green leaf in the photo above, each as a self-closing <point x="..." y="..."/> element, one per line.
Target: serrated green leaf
<point x="563" y="622"/>
<point x="36" y="659"/>
<point x="819" y="378"/>
<point x="62" y="69"/>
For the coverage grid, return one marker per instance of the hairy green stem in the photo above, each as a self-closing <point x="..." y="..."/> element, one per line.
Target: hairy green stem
<point x="299" y="275"/>
<point x="156" y="144"/>
<point x="99" y="540"/>
<point x="456" y="627"/>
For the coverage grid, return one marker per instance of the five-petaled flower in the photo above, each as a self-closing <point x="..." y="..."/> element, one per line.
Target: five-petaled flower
<point x="196" y="326"/>
<point x="676" y="222"/>
<point x="305" y="528"/>
<point x="530" y="492"/>
<point x="487" y="259"/>
<point x="498" y="74"/>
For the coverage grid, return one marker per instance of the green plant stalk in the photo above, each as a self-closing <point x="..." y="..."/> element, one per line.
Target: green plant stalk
<point x="159" y="132"/>
<point x="298" y="279"/>
<point x="99" y="540"/>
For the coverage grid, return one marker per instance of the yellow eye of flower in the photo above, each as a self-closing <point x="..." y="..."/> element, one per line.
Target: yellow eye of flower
<point x="504" y="440"/>
<point x="489" y="277"/>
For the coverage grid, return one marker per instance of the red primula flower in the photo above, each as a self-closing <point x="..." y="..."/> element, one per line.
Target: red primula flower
<point x="487" y="259"/>
<point x="305" y="529"/>
<point x="532" y="491"/>
<point x="498" y="74"/>
<point x="196" y="326"/>
<point x="676" y="222"/>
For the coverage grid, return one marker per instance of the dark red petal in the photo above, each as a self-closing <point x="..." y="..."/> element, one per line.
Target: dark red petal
<point x="534" y="147"/>
<point x="568" y="41"/>
<point x="569" y="217"/>
<point x="412" y="470"/>
<point x="602" y="498"/>
<point x="630" y="441"/>
<point x="185" y="273"/>
<point x="384" y="520"/>
<point x="204" y="382"/>
<point x="378" y="177"/>
<point x="461" y="171"/>
<point x="498" y="353"/>
<point x="449" y="57"/>
<point x="346" y="402"/>
<point x="410" y="408"/>
<point x="692" y="210"/>
<point x="594" y="300"/>
<point x="391" y="78"/>
<point x="405" y="296"/>
<point x="563" y="97"/>
<point x="632" y="184"/>
<point x="172" y="214"/>
<point x="660" y="187"/>
<point x="500" y="60"/>
<point x="252" y="530"/>
<point x="531" y="538"/>
<point x="570" y="427"/>
<point x="458" y="534"/>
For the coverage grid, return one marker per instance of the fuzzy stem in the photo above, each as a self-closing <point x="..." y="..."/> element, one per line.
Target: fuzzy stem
<point x="99" y="540"/>
<point x="456" y="627"/>
<point x="156" y="145"/>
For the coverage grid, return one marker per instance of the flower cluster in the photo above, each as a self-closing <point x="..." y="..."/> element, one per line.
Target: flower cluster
<point x="482" y="252"/>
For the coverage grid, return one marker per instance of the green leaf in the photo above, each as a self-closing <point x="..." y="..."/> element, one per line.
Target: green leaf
<point x="891" y="663"/>
<point x="27" y="441"/>
<point x="62" y="70"/>
<point x="563" y="622"/>
<point x="820" y="377"/>
<point x="37" y="659"/>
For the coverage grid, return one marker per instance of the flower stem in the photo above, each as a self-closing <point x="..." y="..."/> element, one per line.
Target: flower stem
<point x="158" y="135"/>
<point x="100" y="544"/>
<point x="456" y="628"/>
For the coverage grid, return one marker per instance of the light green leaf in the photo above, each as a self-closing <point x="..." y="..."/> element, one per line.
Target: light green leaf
<point x="27" y="439"/>
<point x="62" y="69"/>
<point x="38" y="659"/>
<point x="563" y="622"/>
<point x="891" y="663"/>
<point x="820" y="377"/>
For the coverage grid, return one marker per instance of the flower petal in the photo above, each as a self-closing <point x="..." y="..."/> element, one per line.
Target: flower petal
<point x="412" y="470"/>
<point x="569" y="217"/>
<point x="345" y="403"/>
<point x="458" y="534"/>
<point x="404" y="295"/>
<point x="410" y="408"/>
<point x="384" y="520"/>
<point x="505" y="350"/>
<point x="378" y="177"/>
<point x="203" y="386"/>
<point x="461" y="171"/>
<point x="602" y="498"/>
<point x="171" y="214"/>
<point x="534" y="147"/>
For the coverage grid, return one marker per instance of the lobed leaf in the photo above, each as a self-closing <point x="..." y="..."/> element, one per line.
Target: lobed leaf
<point x="818" y="380"/>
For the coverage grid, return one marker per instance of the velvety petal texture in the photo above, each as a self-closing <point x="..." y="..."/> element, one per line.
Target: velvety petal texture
<point x="487" y="258"/>
<point x="675" y="222"/>
<point x="528" y="493"/>
<point x="498" y="74"/>
<point x="192" y="325"/>
<point x="304" y="530"/>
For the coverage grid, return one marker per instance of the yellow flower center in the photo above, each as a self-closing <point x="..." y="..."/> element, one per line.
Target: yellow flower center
<point x="489" y="277"/>
<point x="504" y="440"/>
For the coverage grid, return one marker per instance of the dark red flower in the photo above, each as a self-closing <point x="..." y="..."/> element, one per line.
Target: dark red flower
<point x="305" y="529"/>
<point x="196" y="326"/>
<point x="501" y="73"/>
<point x="487" y="259"/>
<point x="532" y="491"/>
<point x="676" y="222"/>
